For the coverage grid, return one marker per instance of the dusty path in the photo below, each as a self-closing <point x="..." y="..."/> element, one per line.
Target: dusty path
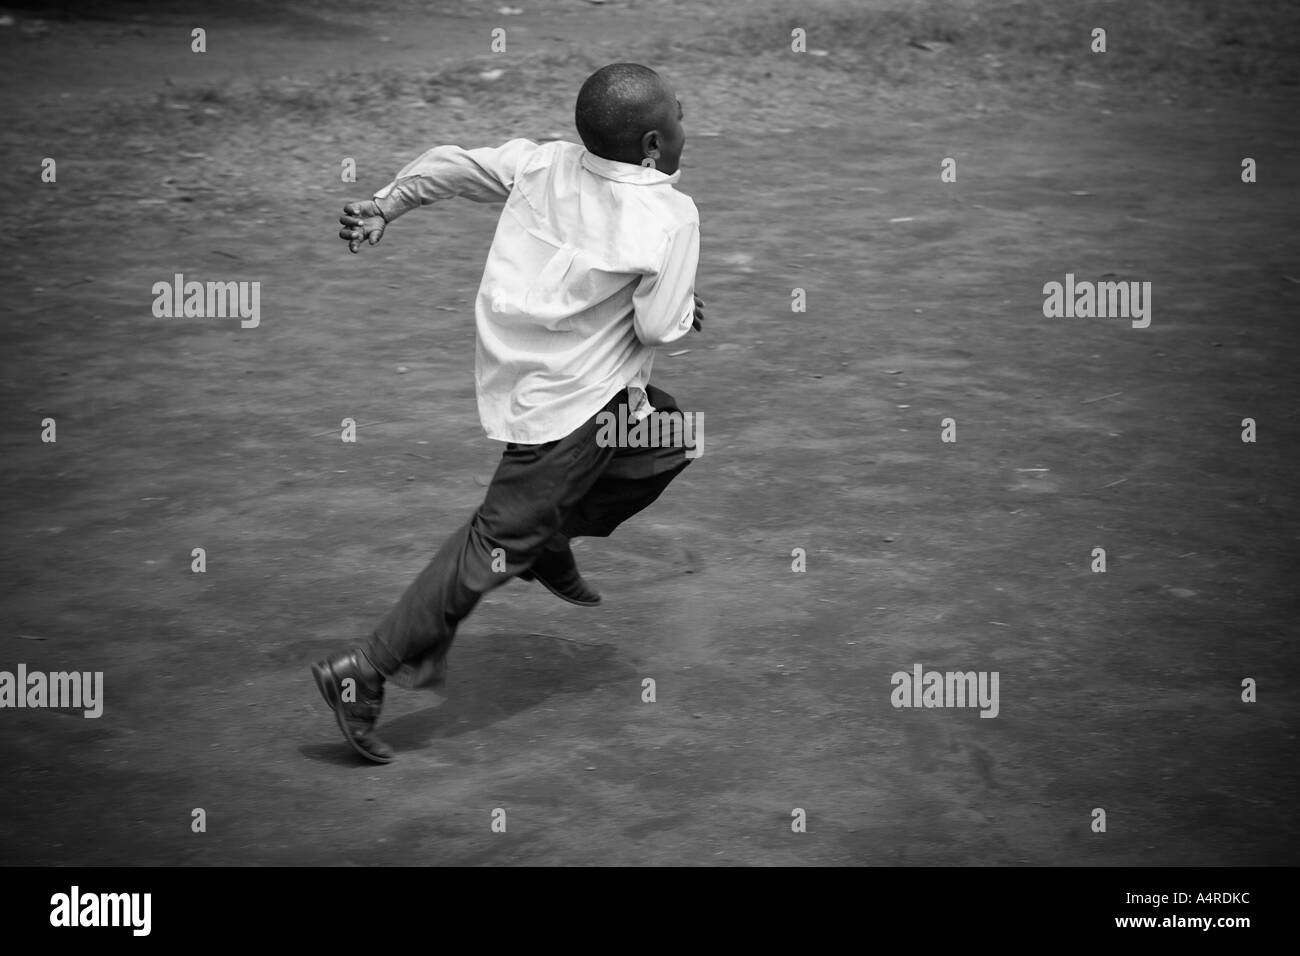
<point x="1117" y="690"/>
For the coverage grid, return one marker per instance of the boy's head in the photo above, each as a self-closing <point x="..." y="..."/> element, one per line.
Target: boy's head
<point x="627" y="112"/>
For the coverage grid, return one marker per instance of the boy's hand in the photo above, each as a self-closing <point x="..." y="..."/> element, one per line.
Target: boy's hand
<point x="698" y="324"/>
<point x="363" y="222"/>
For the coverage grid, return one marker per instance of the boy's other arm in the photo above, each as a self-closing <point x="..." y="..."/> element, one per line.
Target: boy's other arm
<point x="483" y="175"/>
<point x="665" y="306"/>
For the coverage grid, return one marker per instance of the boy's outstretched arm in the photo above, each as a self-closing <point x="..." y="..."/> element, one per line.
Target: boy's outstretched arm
<point x="481" y="175"/>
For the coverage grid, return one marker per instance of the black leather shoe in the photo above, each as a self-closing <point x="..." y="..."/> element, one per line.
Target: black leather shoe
<point x="356" y="717"/>
<point x="558" y="573"/>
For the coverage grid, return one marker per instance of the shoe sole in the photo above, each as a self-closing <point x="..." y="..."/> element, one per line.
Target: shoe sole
<point x="532" y="576"/>
<point x="325" y="682"/>
<point x="564" y="597"/>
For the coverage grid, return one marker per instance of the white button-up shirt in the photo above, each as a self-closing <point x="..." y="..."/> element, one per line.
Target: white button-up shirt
<point x="592" y="266"/>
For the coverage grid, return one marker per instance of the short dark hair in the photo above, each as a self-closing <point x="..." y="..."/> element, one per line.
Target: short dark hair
<point x="616" y="108"/>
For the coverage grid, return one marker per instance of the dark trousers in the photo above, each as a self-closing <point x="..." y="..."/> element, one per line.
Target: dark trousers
<point x="540" y="494"/>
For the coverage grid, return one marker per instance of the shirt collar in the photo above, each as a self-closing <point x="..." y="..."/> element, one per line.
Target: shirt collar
<point x="626" y="172"/>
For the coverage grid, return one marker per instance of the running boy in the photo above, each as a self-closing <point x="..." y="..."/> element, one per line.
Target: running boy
<point x="592" y="266"/>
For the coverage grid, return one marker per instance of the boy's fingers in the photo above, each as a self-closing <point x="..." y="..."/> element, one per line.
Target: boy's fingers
<point x="354" y="246"/>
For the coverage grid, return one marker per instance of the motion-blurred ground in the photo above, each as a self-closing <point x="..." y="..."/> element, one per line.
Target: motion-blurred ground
<point x="818" y="171"/>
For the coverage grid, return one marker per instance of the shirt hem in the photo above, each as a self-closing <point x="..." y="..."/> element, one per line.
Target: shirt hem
<point x="563" y="432"/>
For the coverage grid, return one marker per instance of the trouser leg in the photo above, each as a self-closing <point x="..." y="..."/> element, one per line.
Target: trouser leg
<point x="532" y="493"/>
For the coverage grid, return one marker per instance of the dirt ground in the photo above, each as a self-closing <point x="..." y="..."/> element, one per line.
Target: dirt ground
<point x="1119" y="691"/>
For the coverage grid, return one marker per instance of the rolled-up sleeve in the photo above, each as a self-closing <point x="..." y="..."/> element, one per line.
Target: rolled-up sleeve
<point x="664" y="301"/>
<point x="486" y="174"/>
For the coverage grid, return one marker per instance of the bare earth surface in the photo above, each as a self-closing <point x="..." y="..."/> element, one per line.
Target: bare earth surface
<point x="1118" y="690"/>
